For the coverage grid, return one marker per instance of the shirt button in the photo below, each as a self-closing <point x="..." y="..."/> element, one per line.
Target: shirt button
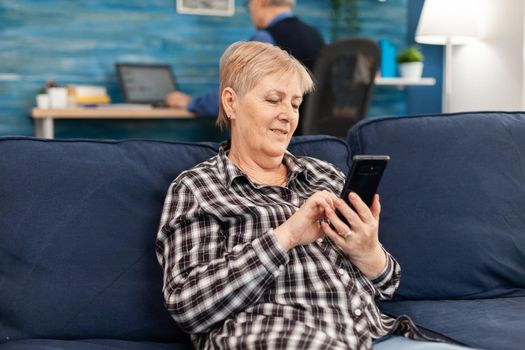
<point x="319" y="240"/>
<point x="341" y="271"/>
<point x="358" y="312"/>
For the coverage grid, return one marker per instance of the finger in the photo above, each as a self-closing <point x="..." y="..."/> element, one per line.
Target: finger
<point x="168" y="99"/>
<point x="360" y="207"/>
<point x="338" y="224"/>
<point x="319" y="204"/>
<point x="326" y="199"/>
<point x="332" y="234"/>
<point x="376" y="207"/>
<point x="347" y="212"/>
<point x="330" y="197"/>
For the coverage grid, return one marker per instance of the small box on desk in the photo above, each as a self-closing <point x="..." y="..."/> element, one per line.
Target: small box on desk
<point x="388" y="58"/>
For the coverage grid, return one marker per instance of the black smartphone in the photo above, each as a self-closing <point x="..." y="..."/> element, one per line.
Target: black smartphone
<point x="364" y="176"/>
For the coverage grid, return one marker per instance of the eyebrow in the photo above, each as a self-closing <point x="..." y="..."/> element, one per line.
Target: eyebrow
<point x="280" y="92"/>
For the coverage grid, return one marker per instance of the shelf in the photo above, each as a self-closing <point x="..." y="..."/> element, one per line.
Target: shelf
<point x="401" y="82"/>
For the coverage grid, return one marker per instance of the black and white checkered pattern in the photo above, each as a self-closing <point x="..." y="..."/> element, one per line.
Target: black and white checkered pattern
<point x="229" y="283"/>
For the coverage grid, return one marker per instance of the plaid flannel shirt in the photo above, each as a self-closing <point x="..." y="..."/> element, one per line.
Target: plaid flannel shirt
<point x="228" y="282"/>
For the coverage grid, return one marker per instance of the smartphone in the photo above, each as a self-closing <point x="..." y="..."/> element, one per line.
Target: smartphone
<point x="363" y="177"/>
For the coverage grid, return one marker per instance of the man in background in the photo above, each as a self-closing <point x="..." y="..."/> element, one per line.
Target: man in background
<point x="275" y="24"/>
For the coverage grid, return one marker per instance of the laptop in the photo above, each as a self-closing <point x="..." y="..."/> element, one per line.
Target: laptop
<point x="145" y="83"/>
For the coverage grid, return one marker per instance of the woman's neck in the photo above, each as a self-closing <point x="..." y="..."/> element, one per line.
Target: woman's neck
<point x="269" y="172"/>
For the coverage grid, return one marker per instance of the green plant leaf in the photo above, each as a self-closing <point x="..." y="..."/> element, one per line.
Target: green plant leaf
<point x="410" y="54"/>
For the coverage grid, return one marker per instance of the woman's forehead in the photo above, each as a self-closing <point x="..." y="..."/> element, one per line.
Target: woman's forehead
<point x="288" y="83"/>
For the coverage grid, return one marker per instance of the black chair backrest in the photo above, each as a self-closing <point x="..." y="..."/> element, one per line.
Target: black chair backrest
<point x="344" y="73"/>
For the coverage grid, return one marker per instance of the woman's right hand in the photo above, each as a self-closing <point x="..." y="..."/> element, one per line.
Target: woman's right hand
<point x="303" y="227"/>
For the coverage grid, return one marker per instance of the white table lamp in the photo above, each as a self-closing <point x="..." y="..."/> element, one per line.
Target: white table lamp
<point x="448" y="22"/>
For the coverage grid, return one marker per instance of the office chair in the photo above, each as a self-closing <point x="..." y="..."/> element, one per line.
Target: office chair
<point x="344" y="72"/>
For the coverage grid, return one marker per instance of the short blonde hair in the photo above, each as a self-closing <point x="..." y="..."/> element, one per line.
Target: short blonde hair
<point x="245" y="63"/>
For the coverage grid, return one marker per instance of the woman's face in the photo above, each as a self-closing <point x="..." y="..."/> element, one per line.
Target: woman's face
<point x="266" y="117"/>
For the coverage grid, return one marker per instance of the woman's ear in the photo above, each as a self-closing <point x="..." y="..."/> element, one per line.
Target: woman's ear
<point x="229" y="101"/>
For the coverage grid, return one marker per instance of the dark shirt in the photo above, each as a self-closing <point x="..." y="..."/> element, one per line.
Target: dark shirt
<point x="298" y="38"/>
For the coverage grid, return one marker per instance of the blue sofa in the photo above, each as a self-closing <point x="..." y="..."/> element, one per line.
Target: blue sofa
<point x="453" y="214"/>
<point x="78" y="220"/>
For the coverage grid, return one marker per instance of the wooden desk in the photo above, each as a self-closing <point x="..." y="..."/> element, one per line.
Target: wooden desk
<point x="44" y="118"/>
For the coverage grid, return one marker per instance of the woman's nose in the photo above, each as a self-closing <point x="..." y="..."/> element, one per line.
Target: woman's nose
<point x="285" y="114"/>
<point x="288" y="110"/>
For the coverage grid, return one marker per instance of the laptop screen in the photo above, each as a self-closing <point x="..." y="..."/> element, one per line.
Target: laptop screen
<point x="145" y="83"/>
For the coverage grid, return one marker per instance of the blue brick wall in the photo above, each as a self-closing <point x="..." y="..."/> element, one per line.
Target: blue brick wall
<point x="78" y="42"/>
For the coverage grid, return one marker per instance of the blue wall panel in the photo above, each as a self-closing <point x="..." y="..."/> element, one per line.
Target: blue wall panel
<point x="78" y="42"/>
<point x="424" y="99"/>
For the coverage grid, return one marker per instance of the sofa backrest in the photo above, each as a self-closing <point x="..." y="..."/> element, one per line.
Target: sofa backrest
<point x="453" y="201"/>
<point x="78" y="220"/>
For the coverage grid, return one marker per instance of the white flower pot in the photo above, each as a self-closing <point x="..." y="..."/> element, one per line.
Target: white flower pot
<point x="42" y="101"/>
<point x="411" y="70"/>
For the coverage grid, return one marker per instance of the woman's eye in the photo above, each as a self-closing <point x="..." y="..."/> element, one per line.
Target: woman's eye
<point x="273" y="100"/>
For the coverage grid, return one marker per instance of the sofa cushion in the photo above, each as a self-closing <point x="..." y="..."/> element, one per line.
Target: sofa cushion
<point x="327" y="148"/>
<point x="453" y="201"/>
<point x="89" y="344"/>
<point x="79" y="220"/>
<point x="496" y="324"/>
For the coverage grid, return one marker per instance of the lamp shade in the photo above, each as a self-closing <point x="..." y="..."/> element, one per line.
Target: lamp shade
<point x="448" y="21"/>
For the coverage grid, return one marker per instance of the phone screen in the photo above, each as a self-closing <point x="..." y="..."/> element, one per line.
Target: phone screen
<point x="364" y="177"/>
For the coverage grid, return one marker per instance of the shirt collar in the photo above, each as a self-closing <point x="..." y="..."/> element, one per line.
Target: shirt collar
<point x="280" y="17"/>
<point x="229" y="171"/>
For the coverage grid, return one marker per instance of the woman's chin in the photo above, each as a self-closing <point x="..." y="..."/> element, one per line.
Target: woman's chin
<point x="276" y="149"/>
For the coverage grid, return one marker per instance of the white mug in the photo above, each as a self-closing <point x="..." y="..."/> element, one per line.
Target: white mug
<point x="57" y="97"/>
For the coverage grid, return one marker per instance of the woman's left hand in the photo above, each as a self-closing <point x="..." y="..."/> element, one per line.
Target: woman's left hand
<point x="360" y="241"/>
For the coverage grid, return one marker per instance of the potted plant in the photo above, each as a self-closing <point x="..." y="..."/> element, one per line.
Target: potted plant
<point x="42" y="97"/>
<point x="410" y="62"/>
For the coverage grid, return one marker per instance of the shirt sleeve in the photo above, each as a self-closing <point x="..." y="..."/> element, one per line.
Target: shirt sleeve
<point x="205" y="105"/>
<point x="203" y="282"/>
<point x="387" y="281"/>
<point x="263" y="36"/>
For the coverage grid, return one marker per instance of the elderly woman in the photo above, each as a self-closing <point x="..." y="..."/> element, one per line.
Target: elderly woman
<point x="253" y="252"/>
